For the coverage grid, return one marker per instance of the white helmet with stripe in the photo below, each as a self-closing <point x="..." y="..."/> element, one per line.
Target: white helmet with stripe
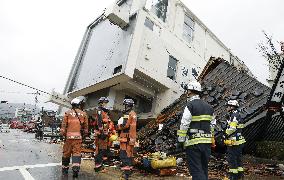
<point x="194" y="85"/>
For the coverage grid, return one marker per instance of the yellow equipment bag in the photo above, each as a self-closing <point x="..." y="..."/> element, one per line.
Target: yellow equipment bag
<point x="168" y="162"/>
<point x="229" y="142"/>
<point x="113" y="137"/>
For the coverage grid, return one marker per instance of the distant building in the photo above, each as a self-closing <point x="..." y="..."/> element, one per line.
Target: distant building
<point x="155" y="48"/>
<point x="23" y="114"/>
<point x="21" y="111"/>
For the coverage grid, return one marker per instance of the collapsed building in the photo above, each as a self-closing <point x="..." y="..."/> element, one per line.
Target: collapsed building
<point x="147" y="50"/>
<point x="144" y="50"/>
<point x="221" y="82"/>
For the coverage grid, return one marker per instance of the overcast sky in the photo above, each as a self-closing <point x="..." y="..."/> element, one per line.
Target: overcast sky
<point x="39" y="39"/>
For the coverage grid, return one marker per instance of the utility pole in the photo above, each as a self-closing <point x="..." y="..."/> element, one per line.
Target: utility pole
<point x="36" y="101"/>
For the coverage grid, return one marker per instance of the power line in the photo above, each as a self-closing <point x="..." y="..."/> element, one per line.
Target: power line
<point x="25" y="85"/>
<point x="38" y="90"/>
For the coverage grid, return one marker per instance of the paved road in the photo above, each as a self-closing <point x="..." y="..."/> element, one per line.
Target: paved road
<point x="23" y="157"/>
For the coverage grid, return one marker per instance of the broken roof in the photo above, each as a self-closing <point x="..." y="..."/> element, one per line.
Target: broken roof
<point x="221" y="82"/>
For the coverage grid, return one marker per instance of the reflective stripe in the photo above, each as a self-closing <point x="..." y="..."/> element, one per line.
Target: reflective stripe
<point x="234" y="171"/>
<point x="236" y="143"/>
<point x="181" y="133"/>
<point x="198" y="141"/>
<point x="230" y="131"/>
<point x="241" y="126"/>
<point x="233" y="124"/>
<point x="239" y="142"/>
<point x="202" y="118"/>
<point x="240" y="169"/>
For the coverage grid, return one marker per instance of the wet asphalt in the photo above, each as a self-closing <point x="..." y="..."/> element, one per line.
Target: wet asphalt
<point x="20" y="150"/>
<point x="22" y="157"/>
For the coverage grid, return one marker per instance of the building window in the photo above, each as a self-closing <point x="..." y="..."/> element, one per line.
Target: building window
<point x="148" y="23"/>
<point x="158" y="7"/>
<point x="152" y="26"/>
<point x="120" y="2"/>
<point x="188" y="28"/>
<point x="117" y="69"/>
<point x="172" y="68"/>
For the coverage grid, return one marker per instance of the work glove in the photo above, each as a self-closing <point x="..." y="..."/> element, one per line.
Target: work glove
<point x="179" y="146"/>
<point x="181" y="139"/>
<point x="228" y="142"/>
<point x="120" y="121"/>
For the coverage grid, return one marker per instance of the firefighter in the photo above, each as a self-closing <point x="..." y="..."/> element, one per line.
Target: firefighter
<point x="195" y="132"/>
<point x="127" y="136"/>
<point x="103" y="129"/>
<point x="74" y="127"/>
<point x="234" y="141"/>
<point x="39" y="129"/>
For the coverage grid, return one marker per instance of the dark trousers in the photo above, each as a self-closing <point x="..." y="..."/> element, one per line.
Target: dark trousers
<point x="126" y="161"/>
<point x="198" y="157"/>
<point x="99" y="157"/>
<point x="234" y="160"/>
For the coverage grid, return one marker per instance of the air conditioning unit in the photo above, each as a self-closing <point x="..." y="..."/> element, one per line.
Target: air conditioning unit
<point x="118" y="15"/>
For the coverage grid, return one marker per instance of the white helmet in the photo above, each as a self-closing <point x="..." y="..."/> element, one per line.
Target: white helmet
<point x="233" y="103"/>
<point x="78" y="100"/>
<point x="194" y="85"/>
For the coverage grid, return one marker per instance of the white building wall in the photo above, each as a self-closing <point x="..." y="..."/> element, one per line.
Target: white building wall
<point x="149" y="53"/>
<point x="156" y="47"/>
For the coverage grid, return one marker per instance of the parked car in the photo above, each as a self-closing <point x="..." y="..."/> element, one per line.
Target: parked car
<point x="29" y="127"/>
<point x="20" y="125"/>
<point x="14" y="124"/>
<point x="5" y="128"/>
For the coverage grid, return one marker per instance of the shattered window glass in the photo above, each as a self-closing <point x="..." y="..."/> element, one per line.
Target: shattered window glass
<point x="188" y="28"/>
<point x="172" y="68"/>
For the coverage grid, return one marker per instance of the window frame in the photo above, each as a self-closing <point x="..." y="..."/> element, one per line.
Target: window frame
<point x="174" y="69"/>
<point x="188" y="28"/>
<point x="156" y="10"/>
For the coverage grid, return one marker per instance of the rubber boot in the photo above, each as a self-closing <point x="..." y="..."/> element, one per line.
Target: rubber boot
<point x="127" y="174"/>
<point x="75" y="170"/>
<point x="65" y="165"/>
<point x="65" y="171"/>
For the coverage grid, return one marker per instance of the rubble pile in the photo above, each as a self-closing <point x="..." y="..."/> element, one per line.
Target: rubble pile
<point x="221" y="82"/>
<point x="152" y="139"/>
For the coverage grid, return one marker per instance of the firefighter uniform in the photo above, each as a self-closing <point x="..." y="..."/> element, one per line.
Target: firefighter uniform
<point x="235" y="142"/>
<point x="196" y="133"/>
<point x="74" y="127"/>
<point x="103" y="128"/>
<point x="127" y="139"/>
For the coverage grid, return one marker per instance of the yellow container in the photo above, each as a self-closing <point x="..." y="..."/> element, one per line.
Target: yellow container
<point x="165" y="163"/>
<point x="113" y="138"/>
